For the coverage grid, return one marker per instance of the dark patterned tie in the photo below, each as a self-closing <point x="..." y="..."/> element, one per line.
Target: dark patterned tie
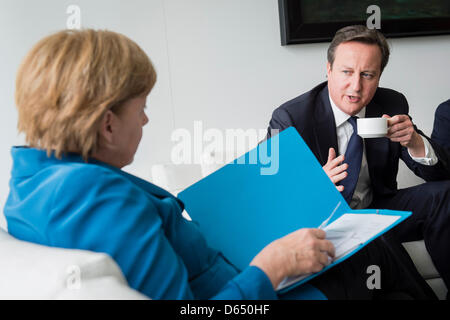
<point x="353" y="157"/>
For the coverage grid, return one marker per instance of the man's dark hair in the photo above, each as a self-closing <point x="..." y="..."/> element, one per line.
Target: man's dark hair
<point x="359" y="33"/>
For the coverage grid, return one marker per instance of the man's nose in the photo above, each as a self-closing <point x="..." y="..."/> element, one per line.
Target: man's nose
<point x="356" y="82"/>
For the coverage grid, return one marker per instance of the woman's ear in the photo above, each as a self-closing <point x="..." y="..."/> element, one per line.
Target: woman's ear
<point x="107" y="125"/>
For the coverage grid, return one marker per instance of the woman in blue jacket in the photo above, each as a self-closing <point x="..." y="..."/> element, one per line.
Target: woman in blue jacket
<point x="81" y="97"/>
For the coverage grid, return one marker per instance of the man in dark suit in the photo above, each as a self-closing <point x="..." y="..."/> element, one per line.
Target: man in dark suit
<point x="365" y="171"/>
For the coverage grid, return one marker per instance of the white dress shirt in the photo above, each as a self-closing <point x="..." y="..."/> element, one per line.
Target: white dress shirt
<point x="363" y="195"/>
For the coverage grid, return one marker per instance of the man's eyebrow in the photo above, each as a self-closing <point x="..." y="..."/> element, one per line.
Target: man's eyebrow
<point x="369" y="71"/>
<point x="344" y="67"/>
<point x="362" y="71"/>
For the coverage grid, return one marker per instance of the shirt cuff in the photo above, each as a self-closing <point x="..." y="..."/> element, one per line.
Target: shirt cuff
<point x="430" y="158"/>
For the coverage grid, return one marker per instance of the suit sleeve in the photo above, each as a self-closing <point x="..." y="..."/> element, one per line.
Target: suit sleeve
<point x="441" y="126"/>
<point x="280" y="121"/>
<point x="441" y="134"/>
<point x="428" y="173"/>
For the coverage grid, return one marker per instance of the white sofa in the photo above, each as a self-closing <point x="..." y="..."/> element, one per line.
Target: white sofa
<point x="31" y="271"/>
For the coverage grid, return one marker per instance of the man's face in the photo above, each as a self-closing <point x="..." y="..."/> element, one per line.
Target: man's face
<point x="354" y="76"/>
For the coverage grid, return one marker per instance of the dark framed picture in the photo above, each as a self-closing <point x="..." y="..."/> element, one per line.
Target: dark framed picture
<point x="306" y="21"/>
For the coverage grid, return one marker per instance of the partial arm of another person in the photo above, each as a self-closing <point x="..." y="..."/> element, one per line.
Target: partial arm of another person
<point x="441" y="134"/>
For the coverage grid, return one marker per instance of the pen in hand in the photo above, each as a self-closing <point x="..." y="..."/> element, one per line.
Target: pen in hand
<point x="325" y="223"/>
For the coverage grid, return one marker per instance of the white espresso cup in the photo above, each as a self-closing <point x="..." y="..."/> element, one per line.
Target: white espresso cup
<point x="372" y="127"/>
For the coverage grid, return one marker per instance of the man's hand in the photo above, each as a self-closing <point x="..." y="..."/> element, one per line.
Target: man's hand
<point x="401" y="130"/>
<point x="334" y="169"/>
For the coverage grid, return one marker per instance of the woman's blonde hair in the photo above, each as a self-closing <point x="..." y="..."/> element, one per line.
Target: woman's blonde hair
<point x="70" y="79"/>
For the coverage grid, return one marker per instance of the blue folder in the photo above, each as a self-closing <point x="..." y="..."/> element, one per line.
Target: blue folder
<point x="250" y="202"/>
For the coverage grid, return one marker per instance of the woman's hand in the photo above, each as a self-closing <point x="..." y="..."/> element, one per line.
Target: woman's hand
<point x="300" y="252"/>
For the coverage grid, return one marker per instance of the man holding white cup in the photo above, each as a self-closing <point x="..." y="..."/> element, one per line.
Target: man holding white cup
<point x="365" y="170"/>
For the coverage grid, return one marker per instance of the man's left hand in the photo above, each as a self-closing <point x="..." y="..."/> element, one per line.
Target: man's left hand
<point x="401" y="130"/>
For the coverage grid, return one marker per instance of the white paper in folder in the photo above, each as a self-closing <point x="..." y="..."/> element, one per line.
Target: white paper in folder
<point x="347" y="233"/>
<point x="352" y="229"/>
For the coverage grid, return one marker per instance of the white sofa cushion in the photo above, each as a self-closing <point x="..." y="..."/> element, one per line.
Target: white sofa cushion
<point x="32" y="271"/>
<point x="421" y="259"/>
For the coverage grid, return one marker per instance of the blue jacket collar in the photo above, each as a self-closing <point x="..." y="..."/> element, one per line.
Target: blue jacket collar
<point x="28" y="161"/>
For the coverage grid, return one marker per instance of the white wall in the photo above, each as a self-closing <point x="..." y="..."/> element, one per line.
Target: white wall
<point x="219" y="61"/>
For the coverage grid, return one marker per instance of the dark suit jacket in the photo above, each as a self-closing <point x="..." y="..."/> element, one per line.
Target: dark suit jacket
<point x="441" y="128"/>
<point x="312" y="116"/>
<point x="441" y="131"/>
